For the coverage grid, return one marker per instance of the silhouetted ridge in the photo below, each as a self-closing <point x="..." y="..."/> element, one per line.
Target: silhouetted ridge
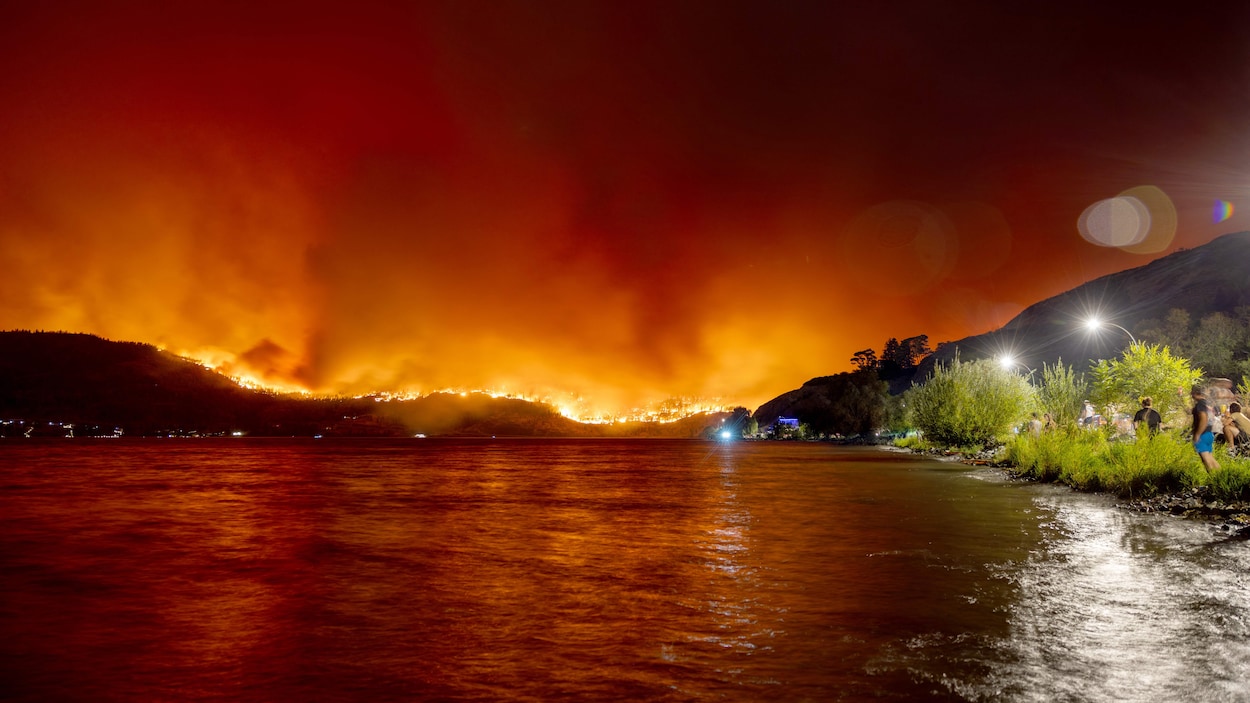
<point x="92" y="382"/>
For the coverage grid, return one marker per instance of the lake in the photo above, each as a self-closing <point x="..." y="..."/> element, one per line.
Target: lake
<point x="593" y="570"/>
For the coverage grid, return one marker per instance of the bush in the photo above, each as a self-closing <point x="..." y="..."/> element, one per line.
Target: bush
<point x="1144" y="370"/>
<point x="974" y="404"/>
<point x="1062" y="393"/>
<point x="1088" y="461"/>
<point x="1164" y="463"/>
<point x="1232" y="481"/>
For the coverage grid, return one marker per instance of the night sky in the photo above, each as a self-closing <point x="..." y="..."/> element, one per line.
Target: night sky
<point x="627" y="201"/>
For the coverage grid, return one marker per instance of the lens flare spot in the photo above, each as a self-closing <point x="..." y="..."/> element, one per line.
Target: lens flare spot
<point x="1140" y="220"/>
<point x="1162" y="229"/>
<point x="1223" y="210"/>
<point x="1115" y="222"/>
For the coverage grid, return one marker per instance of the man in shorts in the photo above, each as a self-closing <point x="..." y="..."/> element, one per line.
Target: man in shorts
<point x="1204" y="440"/>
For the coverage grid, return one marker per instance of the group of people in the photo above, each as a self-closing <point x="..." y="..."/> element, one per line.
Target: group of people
<point x="1231" y="425"/>
<point x="1234" y="427"/>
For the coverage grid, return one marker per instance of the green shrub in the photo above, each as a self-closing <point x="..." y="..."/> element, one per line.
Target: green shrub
<point x="1150" y="465"/>
<point x="1089" y="461"/>
<point x="1144" y="370"/>
<point x="1037" y="457"/>
<point x="974" y="404"/>
<point x="1080" y="458"/>
<point x="1062" y="393"/>
<point x="909" y="442"/>
<point x="1232" y="481"/>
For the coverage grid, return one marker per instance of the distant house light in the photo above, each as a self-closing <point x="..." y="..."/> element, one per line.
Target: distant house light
<point x="788" y="421"/>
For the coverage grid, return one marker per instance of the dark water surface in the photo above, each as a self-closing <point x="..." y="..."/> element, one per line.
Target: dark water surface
<point x="551" y="570"/>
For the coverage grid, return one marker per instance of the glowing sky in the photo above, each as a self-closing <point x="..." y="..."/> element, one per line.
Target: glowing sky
<point x="624" y="200"/>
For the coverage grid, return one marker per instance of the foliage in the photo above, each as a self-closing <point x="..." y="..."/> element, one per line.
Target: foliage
<point x="1218" y="343"/>
<point x="802" y="432"/>
<point x="740" y="423"/>
<point x="896" y="417"/>
<point x="970" y="404"/>
<point x="897" y="358"/>
<point x="844" y="403"/>
<point x="1087" y="461"/>
<point x="914" y="442"/>
<point x="1232" y="480"/>
<point x="1062" y="393"/>
<point x="865" y="359"/>
<point x="1172" y="331"/>
<point x="1160" y="463"/>
<point x="1144" y="370"/>
<point x="1215" y="341"/>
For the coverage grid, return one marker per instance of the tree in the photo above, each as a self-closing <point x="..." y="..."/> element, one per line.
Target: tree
<point x="913" y="349"/>
<point x="1062" y="393"/>
<point x="970" y="404"/>
<point x="1172" y="331"/>
<point x="865" y="360"/>
<point x="741" y="423"/>
<point x="889" y="366"/>
<point x="1144" y="370"/>
<point x="1216" y="342"/>
<point x="844" y="403"/>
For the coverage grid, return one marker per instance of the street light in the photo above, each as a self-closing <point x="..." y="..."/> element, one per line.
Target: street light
<point x="1094" y="323"/>
<point x="1009" y="362"/>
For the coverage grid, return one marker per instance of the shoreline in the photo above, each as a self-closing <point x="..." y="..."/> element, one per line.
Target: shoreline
<point x="1193" y="504"/>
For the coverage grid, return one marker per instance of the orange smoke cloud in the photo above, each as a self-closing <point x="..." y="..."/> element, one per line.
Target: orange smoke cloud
<point x="421" y="198"/>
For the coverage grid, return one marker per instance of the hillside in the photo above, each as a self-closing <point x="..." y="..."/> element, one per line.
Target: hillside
<point x="1214" y="277"/>
<point x="96" y="383"/>
<point x="1206" y="279"/>
<point x="100" y="386"/>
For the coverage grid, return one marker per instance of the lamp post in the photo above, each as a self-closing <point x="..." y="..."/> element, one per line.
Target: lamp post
<point x="1094" y="323"/>
<point x="1009" y="362"/>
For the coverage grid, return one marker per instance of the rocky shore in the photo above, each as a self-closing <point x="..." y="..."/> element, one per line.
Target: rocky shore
<point x="1196" y="504"/>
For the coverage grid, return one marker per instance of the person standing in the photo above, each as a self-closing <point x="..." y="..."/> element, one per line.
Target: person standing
<point x="1204" y="440"/>
<point x="1147" y="416"/>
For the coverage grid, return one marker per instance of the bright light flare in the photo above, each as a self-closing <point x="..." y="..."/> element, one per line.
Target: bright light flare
<point x="1094" y="324"/>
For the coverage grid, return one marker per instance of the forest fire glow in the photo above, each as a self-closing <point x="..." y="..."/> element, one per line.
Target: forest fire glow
<point x="441" y="197"/>
<point x="578" y="409"/>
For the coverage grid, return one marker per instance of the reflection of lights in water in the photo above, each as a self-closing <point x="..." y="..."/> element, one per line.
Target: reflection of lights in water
<point x="734" y="591"/>
<point x="1132" y="598"/>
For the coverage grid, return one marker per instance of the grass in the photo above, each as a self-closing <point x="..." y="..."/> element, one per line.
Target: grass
<point x="1090" y="461"/>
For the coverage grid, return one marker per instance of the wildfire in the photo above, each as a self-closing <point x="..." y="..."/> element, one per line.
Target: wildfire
<point x="569" y="405"/>
<point x="574" y="408"/>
